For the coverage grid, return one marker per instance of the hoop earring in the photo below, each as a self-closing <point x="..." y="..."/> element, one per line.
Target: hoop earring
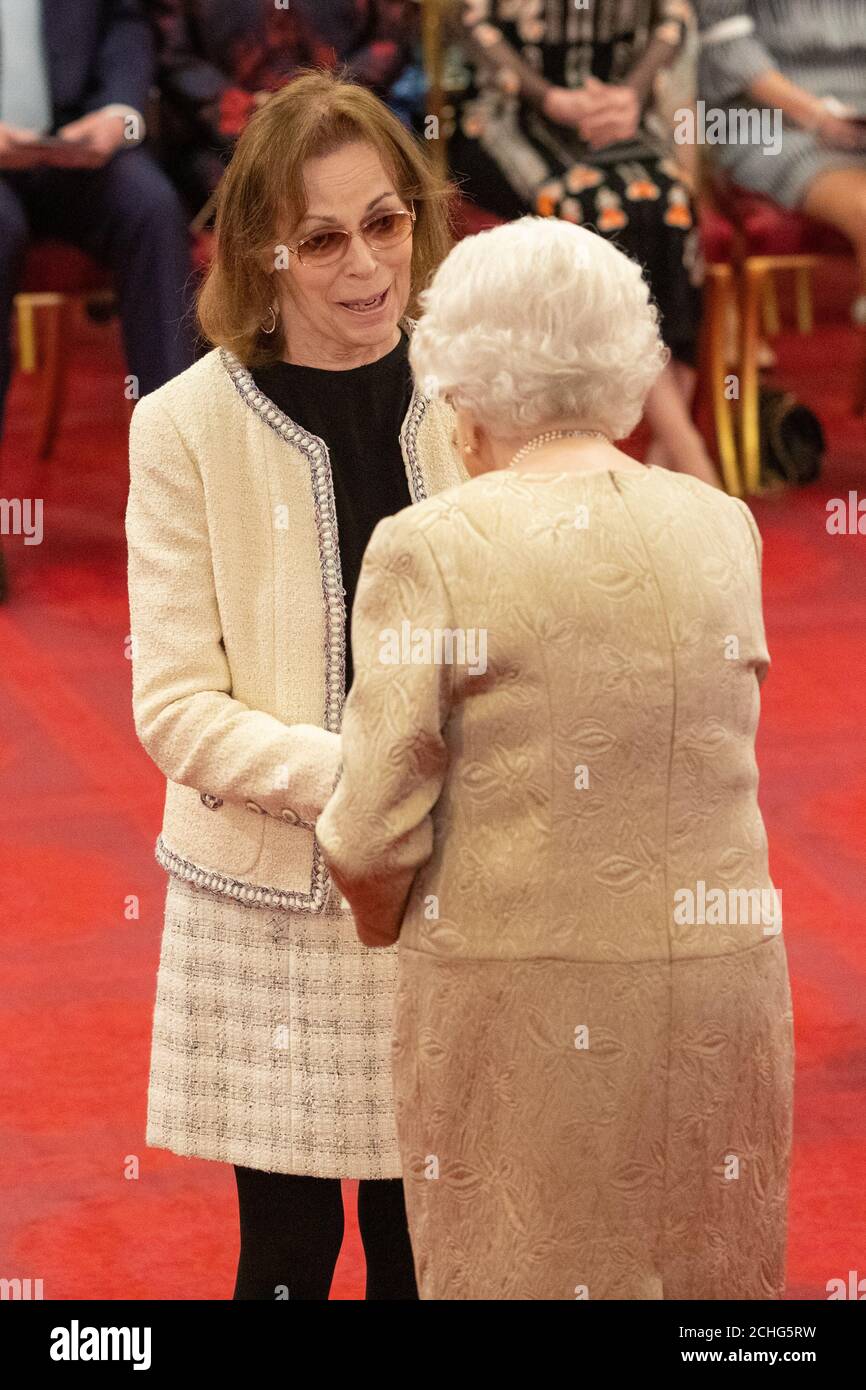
<point x="273" y="326"/>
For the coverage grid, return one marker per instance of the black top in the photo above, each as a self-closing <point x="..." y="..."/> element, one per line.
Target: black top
<point x="358" y="414"/>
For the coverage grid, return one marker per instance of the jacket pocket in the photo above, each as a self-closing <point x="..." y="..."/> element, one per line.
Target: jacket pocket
<point x="212" y="833"/>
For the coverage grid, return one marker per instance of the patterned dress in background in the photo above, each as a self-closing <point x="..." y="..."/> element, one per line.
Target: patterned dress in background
<point x="512" y="160"/>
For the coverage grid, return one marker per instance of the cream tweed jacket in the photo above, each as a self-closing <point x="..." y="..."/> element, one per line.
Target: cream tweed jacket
<point x="238" y="624"/>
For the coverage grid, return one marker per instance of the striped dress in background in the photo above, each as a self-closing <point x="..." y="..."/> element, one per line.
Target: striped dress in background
<point x="818" y="44"/>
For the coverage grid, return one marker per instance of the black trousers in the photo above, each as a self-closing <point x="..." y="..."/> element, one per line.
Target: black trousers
<point x="292" y="1229"/>
<point x="127" y="216"/>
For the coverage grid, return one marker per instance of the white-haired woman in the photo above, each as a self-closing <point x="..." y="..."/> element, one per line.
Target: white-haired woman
<point x="549" y="794"/>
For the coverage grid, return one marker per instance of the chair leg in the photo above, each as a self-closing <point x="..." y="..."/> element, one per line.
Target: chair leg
<point x="750" y="326"/>
<point x="53" y="372"/>
<point x="28" y="356"/>
<point x="772" y="319"/>
<point x="719" y="300"/>
<point x="860" y="396"/>
<point x="432" y="39"/>
<point x="805" y="311"/>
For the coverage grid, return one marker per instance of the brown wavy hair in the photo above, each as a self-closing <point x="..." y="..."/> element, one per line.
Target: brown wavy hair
<point x="263" y="190"/>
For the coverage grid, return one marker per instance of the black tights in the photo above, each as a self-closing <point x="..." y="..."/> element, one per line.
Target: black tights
<point x="292" y="1230"/>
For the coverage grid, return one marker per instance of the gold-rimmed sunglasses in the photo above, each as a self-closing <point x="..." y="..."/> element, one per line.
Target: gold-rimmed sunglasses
<point x="381" y="232"/>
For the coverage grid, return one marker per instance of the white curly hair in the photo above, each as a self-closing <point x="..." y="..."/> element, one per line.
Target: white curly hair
<point x="539" y="321"/>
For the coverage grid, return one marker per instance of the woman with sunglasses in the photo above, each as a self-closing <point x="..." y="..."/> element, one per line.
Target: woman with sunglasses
<point x="257" y="478"/>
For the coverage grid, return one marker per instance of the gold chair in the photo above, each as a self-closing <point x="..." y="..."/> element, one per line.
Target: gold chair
<point x="770" y="241"/>
<point x="58" y="278"/>
<point x="759" y="315"/>
<point x="713" y="375"/>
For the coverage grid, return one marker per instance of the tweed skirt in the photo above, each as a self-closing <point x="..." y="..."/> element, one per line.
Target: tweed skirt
<point x="271" y="1044"/>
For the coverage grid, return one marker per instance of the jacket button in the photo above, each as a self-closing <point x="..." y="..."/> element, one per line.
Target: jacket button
<point x="254" y="806"/>
<point x="290" y="816"/>
<point x="210" y="801"/>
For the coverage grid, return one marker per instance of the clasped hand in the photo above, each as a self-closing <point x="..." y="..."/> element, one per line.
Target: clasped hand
<point x="601" y="112"/>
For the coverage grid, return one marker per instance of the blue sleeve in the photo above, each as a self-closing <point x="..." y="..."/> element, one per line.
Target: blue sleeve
<point x="124" y="68"/>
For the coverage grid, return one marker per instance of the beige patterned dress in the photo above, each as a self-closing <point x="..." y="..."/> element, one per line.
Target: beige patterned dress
<point x="593" y="1048"/>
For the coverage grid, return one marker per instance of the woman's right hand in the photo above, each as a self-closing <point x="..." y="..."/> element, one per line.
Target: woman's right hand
<point x="838" y="133"/>
<point x="13" y="147"/>
<point x="565" y="107"/>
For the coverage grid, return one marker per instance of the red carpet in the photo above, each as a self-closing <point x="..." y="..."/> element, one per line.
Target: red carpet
<point x="80" y="806"/>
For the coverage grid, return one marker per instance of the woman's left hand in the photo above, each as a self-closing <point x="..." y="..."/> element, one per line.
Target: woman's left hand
<point x="614" y="114"/>
<point x="97" y="136"/>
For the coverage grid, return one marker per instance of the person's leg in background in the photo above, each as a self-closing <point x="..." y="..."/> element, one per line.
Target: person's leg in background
<point x="128" y="217"/>
<point x="677" y="443"/>
<point x="291" y="1232"/>
<point x="839" y="197"/>
<point x="145" y="240"/>
<point x="385" y="1234"/>
<point x="14" y="234"/>
<point x="676" y="440"/>
<point x="661" y="234"/>
<point x="687" y="380"/>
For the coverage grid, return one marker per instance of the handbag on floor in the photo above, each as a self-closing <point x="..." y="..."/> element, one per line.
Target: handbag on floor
<point x="792" y="440"/>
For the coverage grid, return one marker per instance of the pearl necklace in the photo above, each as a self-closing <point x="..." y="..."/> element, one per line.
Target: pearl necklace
<point x="548" y="438"/>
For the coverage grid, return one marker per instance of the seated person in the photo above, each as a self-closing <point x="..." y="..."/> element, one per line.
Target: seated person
<point x="379" y="41"/>
<point x="85" y="77"/>
<point x="555" y="121"/>
<point x="808" y="61"/>
<point x="218" y="60"/>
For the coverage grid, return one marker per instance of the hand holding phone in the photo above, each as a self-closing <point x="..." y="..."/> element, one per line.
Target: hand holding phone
<point x="23" y="149"/>
<point x="842" y="127"/>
